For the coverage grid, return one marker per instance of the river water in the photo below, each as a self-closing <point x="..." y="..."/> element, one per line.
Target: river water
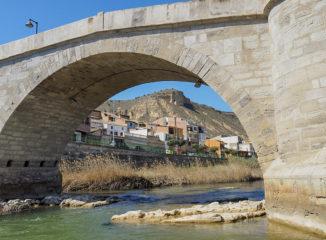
<point x="93" y="224"/>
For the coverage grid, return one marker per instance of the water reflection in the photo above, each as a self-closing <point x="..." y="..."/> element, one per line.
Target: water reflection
<point x="280" y="231"/>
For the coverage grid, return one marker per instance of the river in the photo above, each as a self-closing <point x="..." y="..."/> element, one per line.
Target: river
<point x="93" y="224"/>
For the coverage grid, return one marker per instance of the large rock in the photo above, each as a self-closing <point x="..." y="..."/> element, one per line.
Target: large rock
<point x="211" y="213"/>
<point x="52" y="200"/>
<point x="95" y="204"/>
<point x="216" y="217"/>
<point x="75" y="203"/>
<point x="72" y="203"/>
<point x="16" y="206"/>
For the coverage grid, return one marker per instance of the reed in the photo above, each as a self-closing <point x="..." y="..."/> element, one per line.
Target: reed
<point x="108" y="172"/>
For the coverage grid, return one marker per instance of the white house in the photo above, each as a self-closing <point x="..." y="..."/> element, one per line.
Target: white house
<point x="232" y="142"/>
<point x="247" y="147"/>
<point x="238" y="144"/>
<point x="119" y="130"/>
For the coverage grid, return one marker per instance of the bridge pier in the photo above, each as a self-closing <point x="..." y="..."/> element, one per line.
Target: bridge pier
<point x="295" y="183"/>
<point x="23" y="182"/>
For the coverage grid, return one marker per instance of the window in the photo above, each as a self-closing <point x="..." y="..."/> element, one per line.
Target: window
<point x="9" y="163"/>
<point x="95" y="124"/>
<point x="111" y="128"/>
<point x="26" y="164"/>
<point x="116" y="133"/>
<point x="171" y="131"/>
<point x="121" y="134"/>
<point x="55" y="163"/>
<point x="42" y="163"/>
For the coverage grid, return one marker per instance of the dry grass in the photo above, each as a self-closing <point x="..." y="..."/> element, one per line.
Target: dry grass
<point x="92" y="172"/>
<point x="108" y="172"/>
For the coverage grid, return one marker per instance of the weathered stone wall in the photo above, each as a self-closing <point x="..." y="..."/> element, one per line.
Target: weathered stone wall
<point x="75" y="151"/>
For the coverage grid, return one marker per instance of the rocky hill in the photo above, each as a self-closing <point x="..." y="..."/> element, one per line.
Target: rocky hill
<point x="170" y="103"/>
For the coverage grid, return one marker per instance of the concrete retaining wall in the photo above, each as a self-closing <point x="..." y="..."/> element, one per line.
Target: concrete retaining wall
<point x="139" y="158"/>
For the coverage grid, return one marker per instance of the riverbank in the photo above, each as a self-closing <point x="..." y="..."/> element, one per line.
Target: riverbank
<point x="63" y="201"/>
<point x="103" y="173"/>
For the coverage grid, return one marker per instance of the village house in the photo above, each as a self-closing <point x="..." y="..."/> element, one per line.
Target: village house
<point x="167" y="133"/>
<point x="100" y="127"/>
<point x="104" y="126"/>
<point x="243" y="147"/>
<point x="192" y="133"/>
<point x="216" y="143"/>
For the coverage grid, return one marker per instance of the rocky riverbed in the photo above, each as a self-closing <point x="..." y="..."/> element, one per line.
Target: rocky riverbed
<point x="211" y="213"/>
<point x="64" y="201"/>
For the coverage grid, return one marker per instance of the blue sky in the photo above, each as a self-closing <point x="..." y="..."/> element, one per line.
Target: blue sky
<point x="54" y="13"/>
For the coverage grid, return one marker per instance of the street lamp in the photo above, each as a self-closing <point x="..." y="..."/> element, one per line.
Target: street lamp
<point x="29" y="24"/>
<point x="113" y="122"/>
<point x="198" y="84"/>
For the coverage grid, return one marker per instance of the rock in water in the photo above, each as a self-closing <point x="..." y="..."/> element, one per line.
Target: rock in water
<point x="16" y="206"/>
<point x="52" y="200"/>
<point x="211" y="213"/>
<point x="74" y="203"/>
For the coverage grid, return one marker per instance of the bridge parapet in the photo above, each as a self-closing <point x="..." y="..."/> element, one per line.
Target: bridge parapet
<point x="181" y="14"/>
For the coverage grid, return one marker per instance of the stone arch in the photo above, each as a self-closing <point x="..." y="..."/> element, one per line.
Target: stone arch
<point x="70" y="81"/>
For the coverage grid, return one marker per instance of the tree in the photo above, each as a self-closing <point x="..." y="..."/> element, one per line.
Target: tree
<point x="231" y="151"/>
<point x="213" y="149"/>
<point x="181" y="143"/>
<point x="234" y="152"/>
<point x="171" y="143"/>
<point x="199" y="148"/>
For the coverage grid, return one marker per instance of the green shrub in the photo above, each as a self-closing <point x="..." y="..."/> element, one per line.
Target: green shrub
<point x="251" y="162"/>
<point x="174" y="142"/>
<point x="213" y="149"/>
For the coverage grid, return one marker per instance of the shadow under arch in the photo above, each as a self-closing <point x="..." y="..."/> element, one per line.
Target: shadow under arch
<point x="42" y="124"/>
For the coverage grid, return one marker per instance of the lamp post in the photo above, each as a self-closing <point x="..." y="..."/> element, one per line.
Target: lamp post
<point x="29" y="24"/>
<point x="113" y="122"/>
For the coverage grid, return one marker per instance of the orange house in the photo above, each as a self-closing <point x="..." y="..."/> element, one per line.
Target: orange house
<point x="216" y="143"/>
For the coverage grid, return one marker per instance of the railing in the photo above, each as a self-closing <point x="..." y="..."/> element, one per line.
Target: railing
<point x="93" y="140"/>
<point x="108" y="142"/>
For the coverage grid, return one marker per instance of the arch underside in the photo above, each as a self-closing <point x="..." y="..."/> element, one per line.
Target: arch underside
<point x="49" y="114"/>
<point x="43" y="123"/>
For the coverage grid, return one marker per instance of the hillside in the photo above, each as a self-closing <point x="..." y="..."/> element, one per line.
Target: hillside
<point x="169" y="103"/>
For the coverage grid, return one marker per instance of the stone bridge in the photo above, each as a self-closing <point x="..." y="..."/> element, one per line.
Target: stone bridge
<point x="265" y="58"/>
